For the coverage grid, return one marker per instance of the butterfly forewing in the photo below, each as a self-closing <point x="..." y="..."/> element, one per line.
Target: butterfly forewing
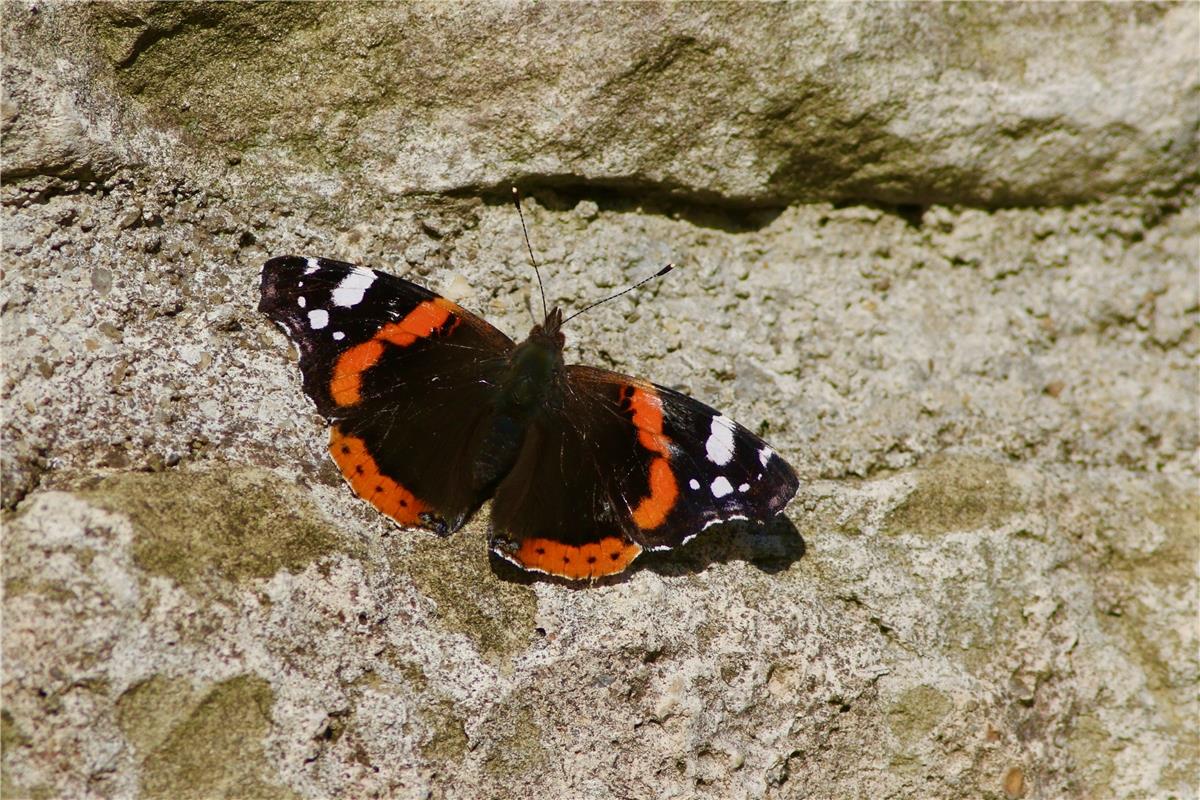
<point x="404" y="376"/>
<point x="722" y="470"/>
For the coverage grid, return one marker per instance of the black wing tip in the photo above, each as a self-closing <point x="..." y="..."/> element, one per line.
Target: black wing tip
<point x="274" y="279"/>
<point x="278" y="264"/>
<point x="787" y="484"/>
<point x="282" y="263"/>
<point x="783" y="498"/>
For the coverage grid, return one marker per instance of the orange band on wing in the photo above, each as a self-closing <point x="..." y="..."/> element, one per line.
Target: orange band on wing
<point x="648" y="419"/>
<point x="422" y="321"/>
<point x="609" y="556"/>
<point x="653" y="510"/>
<point x="346" y="385"/>
<point x="360" y="469"/>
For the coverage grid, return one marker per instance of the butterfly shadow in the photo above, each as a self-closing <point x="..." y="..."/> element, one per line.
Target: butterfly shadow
<point x="772" y="547"/>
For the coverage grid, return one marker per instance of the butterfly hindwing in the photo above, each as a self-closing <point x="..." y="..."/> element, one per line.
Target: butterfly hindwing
<point x="554" y="511"/>
<point x="404" y="377"/>
<point x="623" y="465"/>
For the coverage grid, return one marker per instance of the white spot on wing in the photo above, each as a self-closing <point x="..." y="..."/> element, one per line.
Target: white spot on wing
<point x="730" y="518"/>
<point x="318" y="318"/>
<point x="720" y="441"/>
<point x="695" y="484"/>
<point x="312" y="267"/>
<point x="300" y="301"/>
<point x="721" y="487"/>
<point x="350" y="291"/>
<point x="745" y="487"/>
<point x="765" y="454"/>
<point x="338" y="336"/>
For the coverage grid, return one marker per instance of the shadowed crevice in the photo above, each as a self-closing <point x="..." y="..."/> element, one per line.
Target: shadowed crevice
<point x="633" y="195"/>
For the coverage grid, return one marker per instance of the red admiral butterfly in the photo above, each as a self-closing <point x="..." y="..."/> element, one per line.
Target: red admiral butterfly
<point x="433" y="410"/>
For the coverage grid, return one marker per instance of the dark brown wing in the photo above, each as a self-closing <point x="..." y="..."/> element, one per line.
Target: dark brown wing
<point x="404" y="376"/>
<point x="624" y="465"/>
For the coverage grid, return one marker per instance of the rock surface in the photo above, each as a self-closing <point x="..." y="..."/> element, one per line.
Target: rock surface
<point x="945" y="256"/>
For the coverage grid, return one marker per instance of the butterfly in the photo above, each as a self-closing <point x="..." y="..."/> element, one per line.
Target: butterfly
<point x="432" y="411"/>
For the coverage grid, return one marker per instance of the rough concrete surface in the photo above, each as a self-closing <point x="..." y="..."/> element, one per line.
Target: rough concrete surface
<point x="945" y="257"/>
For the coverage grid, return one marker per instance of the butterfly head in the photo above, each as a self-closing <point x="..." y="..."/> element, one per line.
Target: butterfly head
<point x="551" y="327"/>
<point x="545" y="342"/>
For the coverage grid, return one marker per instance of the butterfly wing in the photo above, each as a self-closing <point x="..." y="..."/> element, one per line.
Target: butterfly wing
<point x="623" y="465"/>
<point x="405" y="378"/>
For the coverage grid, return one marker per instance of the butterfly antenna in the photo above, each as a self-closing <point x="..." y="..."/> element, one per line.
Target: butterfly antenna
<point x="529" y="247"/>
<point x="658" y="274"/>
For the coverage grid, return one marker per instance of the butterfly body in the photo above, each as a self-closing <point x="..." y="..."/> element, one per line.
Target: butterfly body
<point x="432" y="411"/>
<point x="531" y="383"/>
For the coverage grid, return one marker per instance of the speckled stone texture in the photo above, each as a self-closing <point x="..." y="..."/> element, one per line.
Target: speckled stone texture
<point x="945" y="257"/>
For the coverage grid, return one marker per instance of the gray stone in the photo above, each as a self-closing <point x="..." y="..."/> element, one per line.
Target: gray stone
<point x="944" y="255"/>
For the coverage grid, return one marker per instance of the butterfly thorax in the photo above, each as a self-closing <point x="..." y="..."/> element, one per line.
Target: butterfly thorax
<point x="534" y="369"/>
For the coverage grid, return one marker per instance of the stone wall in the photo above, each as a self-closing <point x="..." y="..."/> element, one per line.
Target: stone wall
<point x="944" y="256"/>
